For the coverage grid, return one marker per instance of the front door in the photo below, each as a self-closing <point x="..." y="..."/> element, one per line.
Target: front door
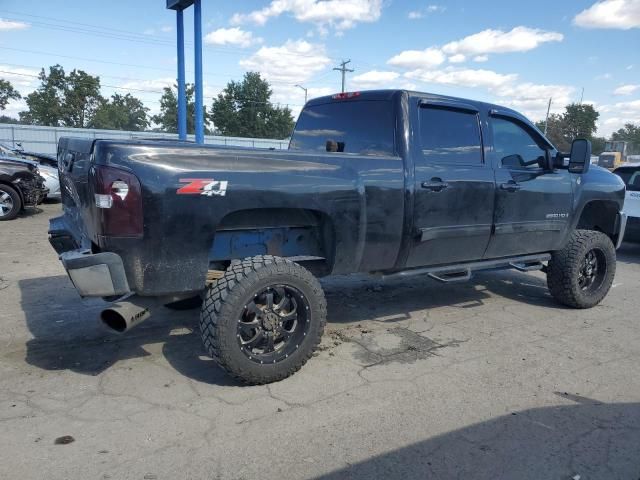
<point x="533" y="205"/>
<point x="454" y="188"/>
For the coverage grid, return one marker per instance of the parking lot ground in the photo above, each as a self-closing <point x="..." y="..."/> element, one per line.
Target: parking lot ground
<point x="414" y="379"/>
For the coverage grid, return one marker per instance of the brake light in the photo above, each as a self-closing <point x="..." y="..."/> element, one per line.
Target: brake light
<point x="118" y="198"/>
<point x="345" y="95"/>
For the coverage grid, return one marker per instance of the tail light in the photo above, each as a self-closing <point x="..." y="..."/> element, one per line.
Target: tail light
<point x="345" y="95"/>
<point x="118" y="198"/>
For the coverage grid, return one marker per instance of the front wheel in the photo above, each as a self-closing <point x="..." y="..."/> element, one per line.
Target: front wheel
<point x="263" y="319"/>
<point x="581" y="274"/>
<point x="10" y="203"/>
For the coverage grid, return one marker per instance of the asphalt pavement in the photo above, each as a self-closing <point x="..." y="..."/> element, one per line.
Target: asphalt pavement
<point x="414" y="379"/>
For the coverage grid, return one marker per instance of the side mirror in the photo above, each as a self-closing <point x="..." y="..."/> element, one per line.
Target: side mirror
<point x="580" y="157"/>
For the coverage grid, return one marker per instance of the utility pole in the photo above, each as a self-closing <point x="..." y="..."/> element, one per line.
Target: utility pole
<point x="343" y="68"/>
<point x="582" y="96"/>
<point x="546" y="122"/>
<point x="305" y="92"/>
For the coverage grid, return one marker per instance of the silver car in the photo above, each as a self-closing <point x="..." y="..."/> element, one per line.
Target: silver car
<point x="45" y="165"/>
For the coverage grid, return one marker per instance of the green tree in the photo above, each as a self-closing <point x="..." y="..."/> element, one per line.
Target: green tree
<point x="577" y="121"/>
<point x="555" y="131"/>
<point x="580" y="120"/>
<point x="244" y="109"/>
<point x="81" y="100"/>
<point x="45" y="104"/>
<point x="7" y="93"/>
<point x="121" y="112"/>
<point x="629" y="133"/>
<point x="597" y="145"/>
<point x="63" y="100"/>
<point x="167" y="119"/>
<point x="7" y="119"/>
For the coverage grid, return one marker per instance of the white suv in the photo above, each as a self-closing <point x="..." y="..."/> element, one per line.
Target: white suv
<point x="630" y="173"/>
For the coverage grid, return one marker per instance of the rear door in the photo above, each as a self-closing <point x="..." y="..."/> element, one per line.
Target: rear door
<point x="453" y="187"/>
<point x="533" y="205"/>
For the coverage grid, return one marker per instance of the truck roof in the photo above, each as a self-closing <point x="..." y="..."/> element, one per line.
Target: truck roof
<point x="388" y="94"/>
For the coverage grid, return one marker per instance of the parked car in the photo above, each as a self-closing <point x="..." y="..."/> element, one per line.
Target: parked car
<point x="20" y="186"/>
<point x="395" y="182"/>
<point x="48" y="166"/>
<point x="630" y="174"/>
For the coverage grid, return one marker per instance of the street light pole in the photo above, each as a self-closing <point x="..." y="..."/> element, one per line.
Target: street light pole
<point x="305" y="92"/>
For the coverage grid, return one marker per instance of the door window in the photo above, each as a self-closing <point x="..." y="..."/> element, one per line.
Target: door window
<point x="515" y="146"/>
<point x="630" y="177"/>
<point x="450" y="136"/>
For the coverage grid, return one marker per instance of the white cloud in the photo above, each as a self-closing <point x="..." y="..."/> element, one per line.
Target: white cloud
<point x="626" y="89"/>
<point x="414" y="59"/>
<point x="154" y="84"/>
<point x="481" y="58"/>
<point x="519" y="39"/>
<point x="6" y="25"/>
<point x="375" y="79"/>
<point x="166" y="29"/>
<point x="296" y="61"/>
<point x="457" y="58"/>
<point x="619" y="14"/>
<point x="418" y="14"/>
<point x="20" y="78"/>
<point x="339" y="14"/>
<point x="533" y="99"/>
<point x="462" y="77"/>
<point x="231" y="36"/>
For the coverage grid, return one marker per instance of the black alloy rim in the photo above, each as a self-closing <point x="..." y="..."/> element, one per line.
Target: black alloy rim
<point x="273" y="324"/>
<point x="592" y="271"/>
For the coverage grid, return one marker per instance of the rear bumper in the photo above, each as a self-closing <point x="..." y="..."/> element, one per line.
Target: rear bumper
<point x="96" y="275"/>
<point x="93" y="274"/>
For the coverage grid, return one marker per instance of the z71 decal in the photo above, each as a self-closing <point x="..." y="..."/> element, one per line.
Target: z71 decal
<point x="203" y="186"/>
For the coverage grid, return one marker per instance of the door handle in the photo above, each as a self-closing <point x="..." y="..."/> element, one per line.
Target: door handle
<point x="435" y="185"/>
<point x="510" y="186"/>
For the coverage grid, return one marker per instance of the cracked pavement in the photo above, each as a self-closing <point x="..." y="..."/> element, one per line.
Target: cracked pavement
<point x="414" y="379"/>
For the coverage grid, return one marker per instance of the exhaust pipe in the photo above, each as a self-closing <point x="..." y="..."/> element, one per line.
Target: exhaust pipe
<point x="123" y="316"/>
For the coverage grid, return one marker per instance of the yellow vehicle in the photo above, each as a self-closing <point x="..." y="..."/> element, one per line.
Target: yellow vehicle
<point x="614" y="155"/>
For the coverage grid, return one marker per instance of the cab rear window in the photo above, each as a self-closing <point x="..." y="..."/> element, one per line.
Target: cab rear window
<point x="364" y="127"/>
<point x="631" y="178"/>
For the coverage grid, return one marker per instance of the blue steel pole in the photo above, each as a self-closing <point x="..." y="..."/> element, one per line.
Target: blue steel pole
<point x="182" y="91"/>
<point x="197" y="31"/>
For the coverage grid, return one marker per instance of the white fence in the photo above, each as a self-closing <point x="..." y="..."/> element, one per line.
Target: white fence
<point x="45" y="139"/>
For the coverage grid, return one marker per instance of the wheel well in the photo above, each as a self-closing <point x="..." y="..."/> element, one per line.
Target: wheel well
<point x="305" y="235"/>
<point x="600" y="216"/>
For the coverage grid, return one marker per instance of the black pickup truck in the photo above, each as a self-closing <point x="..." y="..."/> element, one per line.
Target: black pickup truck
<point x="392" y="182"/>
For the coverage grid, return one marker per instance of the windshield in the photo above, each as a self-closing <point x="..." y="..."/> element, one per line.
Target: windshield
<point x="362" y="127"/>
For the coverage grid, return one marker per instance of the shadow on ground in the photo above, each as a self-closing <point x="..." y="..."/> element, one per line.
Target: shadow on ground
<point x="588" y="441"/>
<point x="68" y="336"/>
<point x="629" y="252"/>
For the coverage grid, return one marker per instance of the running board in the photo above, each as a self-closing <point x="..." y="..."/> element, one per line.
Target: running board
<point x="463" y="272"/>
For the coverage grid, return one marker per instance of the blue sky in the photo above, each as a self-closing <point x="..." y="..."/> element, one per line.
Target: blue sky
<point x="514" y="53"/>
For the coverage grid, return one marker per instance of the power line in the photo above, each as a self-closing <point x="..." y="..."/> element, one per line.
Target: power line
<point x="343" y="69"/>
<point x="130" y="36"/>
<point x="149" y="67"/>
<point x="131" y="89"/>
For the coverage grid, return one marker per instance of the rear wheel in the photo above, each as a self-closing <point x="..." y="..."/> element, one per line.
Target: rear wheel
<point x="263" y="319"/>
<point x="10" y="203"/>
<point x="581" y="274"/>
